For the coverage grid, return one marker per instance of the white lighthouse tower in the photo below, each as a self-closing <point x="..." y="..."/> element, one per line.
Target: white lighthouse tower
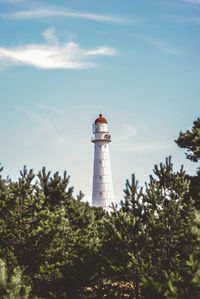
<point x="102" y="194"/>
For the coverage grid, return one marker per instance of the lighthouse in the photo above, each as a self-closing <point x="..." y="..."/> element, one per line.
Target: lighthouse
<point x="102" y="193"/>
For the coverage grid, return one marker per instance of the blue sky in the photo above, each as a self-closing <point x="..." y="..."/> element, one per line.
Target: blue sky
<point x="63" y="62"/>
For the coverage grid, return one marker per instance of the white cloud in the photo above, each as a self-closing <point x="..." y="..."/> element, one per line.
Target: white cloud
<point x="161" y="45"/>
<point x="43" y="13"/>
<point x="50" y="36"/>
<point x="100" y="51"/>
<point x="52" y="55"/>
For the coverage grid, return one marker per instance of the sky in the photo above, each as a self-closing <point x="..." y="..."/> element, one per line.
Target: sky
<point x="62" y="63"/>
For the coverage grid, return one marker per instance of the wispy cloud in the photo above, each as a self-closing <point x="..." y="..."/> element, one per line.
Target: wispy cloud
<point x="41" y="121"/>
<point x="52" y="55"/>
<point x="13" y="1"/>
<point x="51" y="109"/>
<point x="159" y="44"/>
<point x="177" y="19"/>
<point x="192" y="1"/>
<point x="61" y="141"/>
<point x="125" y="133"/>
<point x="144" y="147"/>
<point x="45" y="124"/>
<point x="126" y="141"/>
<point x="43" y="13"/>
<point x="180" y="19"/>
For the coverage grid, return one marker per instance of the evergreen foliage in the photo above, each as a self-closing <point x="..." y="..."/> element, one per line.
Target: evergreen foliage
<point x="147" y="240"/>
<point x="149" y="248"/>
<point x="194" y="190"/>
<point x="12" y="287"/>
<point x="45" y="230"/>
<point x="191" y="141"/>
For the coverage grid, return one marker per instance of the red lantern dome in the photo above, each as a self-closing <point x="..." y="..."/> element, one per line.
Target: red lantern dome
<point x="101" y="119"/>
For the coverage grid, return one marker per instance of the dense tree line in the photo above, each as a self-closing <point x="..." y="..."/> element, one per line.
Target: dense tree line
<point x="54" y="245"/>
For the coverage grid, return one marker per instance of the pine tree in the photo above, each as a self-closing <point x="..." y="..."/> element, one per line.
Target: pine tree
<point x="169" y="218"/>
<point x="149" y="238"/>
<point x="191" y="141"/>
<point x="47" y="231"/>
<point x="12" y="287"/>
<point x="123" y="245"/>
